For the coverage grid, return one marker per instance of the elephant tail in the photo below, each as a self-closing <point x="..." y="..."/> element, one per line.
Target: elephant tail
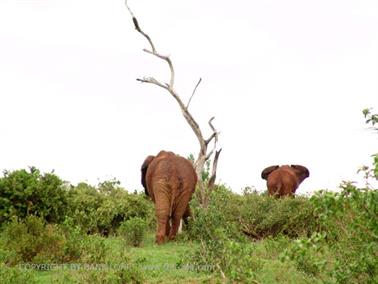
<point x="275" y="189"/>
<point x="278" y="187"/>
<point x="176" y="187"/>
<point x="171" y="202"/>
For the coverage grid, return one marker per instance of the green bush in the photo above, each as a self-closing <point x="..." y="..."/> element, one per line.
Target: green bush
<point x="350" y="221"/>
<point x="262" y="216"/>
<point x="307" y="254"/>
<point x="74" y="240"/>
<point x="103" y="208"/>
<point x="134" y="231"/>
<point x="15" y="275"/>
<point x="31" y="240"/>
<point x="93" y="249"/>
<point x="254" y="215"/>
<point x="233" y="260"/>
<point x="80" y="247"/>
<point x="24" y="193"/>
<point x="207" y="220"/>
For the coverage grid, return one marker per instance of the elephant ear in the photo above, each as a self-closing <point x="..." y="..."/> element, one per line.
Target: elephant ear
<point x="143" y="169"/>
<point x="266" y="172"/>
<point x="302" y="170"/>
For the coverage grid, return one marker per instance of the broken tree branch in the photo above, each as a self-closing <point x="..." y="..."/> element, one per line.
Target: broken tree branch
<point x="214" y="170"/>
<point x="194" y="91"/>
<point x="137" y="27"/>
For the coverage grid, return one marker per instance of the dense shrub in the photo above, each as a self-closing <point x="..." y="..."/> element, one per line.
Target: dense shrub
<point x="80" y="247"/>
<point x="262" y="216"/>
<point x="73" y="236"/>
<point x="102" y="209"/>
<point x="350" y="221"/>
<point x="28" y="192"/>
<point x="31" y="240"/>
<point x="133" y="231"/>
<point x="231" y="259"/>
<point x="222" y="226"/>
<point x="207" y="220"/>
<point x="15" y="275"/>
<point x="93" y="249"/>
<point x="255" y="215"/>
<point x="96" y="209"/>
<point x="307" y="254"/>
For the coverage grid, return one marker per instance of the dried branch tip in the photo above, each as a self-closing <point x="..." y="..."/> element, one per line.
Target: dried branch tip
<point x="135" y="21"/>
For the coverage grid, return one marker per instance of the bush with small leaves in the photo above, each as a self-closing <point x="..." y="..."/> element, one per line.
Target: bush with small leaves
<point x="262" y="216"/>
<point x="74" y="240"/>
<point x="208" y="220"/>
<point x="16" y="275"/>
<point x="134" y="231"/>
<point x="29" y="192"/>
<point x="232" y="259"/>
<point x="350" y="221"/>
<point x="93" y="249"/>
<point x="31" y="240"/>
<point x="103" y="208"/>
<point x="307" y="254"/>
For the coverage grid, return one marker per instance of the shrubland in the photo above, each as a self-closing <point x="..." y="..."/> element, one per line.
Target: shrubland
<point x="251" y="237"/>
<point x="104" y="234"/>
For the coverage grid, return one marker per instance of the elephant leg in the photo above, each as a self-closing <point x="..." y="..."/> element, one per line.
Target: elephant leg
<point x="179" y="209"/>
<point x="162" y="225"/>
<point x="162" y="216"/>
<point x="175" y="226"/>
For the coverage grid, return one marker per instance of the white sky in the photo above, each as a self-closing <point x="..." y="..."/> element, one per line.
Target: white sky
<point x="286" y="80"/>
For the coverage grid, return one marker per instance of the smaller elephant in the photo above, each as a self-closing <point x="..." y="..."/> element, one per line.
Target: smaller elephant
<point x="169" y="180"/>
<point x="284" y="180"/>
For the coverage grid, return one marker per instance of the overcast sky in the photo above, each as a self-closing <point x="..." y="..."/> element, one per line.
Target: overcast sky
<point x="286" y="81"/>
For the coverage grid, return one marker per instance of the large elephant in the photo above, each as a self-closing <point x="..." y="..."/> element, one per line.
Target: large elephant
<point x="169" y="180"/>
<point x="284" y="180"/>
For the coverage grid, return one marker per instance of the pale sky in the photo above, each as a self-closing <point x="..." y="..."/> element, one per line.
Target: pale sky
<point x="286" y="81"/>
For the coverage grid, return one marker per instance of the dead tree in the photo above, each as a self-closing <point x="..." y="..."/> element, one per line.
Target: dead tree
<point x="208" y="147"/>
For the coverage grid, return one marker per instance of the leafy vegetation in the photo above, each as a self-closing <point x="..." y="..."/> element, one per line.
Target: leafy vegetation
<point x="56" y="232"/>
<point x="351" y="224"/>
<point x="28" y="192"/>
<point x="134" y="231"/>
<point x="102" y="209"/>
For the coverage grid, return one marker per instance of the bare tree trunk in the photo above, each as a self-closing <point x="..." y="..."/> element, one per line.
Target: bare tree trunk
<point x="205" y="187"/>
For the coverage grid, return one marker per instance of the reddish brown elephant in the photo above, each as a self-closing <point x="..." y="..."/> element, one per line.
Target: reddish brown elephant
<point x="169" y="180"/>
<point x="284" y="180"/>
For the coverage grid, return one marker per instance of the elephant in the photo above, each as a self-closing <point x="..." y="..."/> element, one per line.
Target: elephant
<point x="284" y="180"/>
<point x="169" y="180"/>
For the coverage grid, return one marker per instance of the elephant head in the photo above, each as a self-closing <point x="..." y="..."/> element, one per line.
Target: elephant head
<point x="143" y="169"/>
<point x="284" y="180"/>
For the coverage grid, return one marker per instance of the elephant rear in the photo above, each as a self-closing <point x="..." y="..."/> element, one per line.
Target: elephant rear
<point x="170" y="181"/>
<point x="284" y="180"/>
<point x="281" y="182"/>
